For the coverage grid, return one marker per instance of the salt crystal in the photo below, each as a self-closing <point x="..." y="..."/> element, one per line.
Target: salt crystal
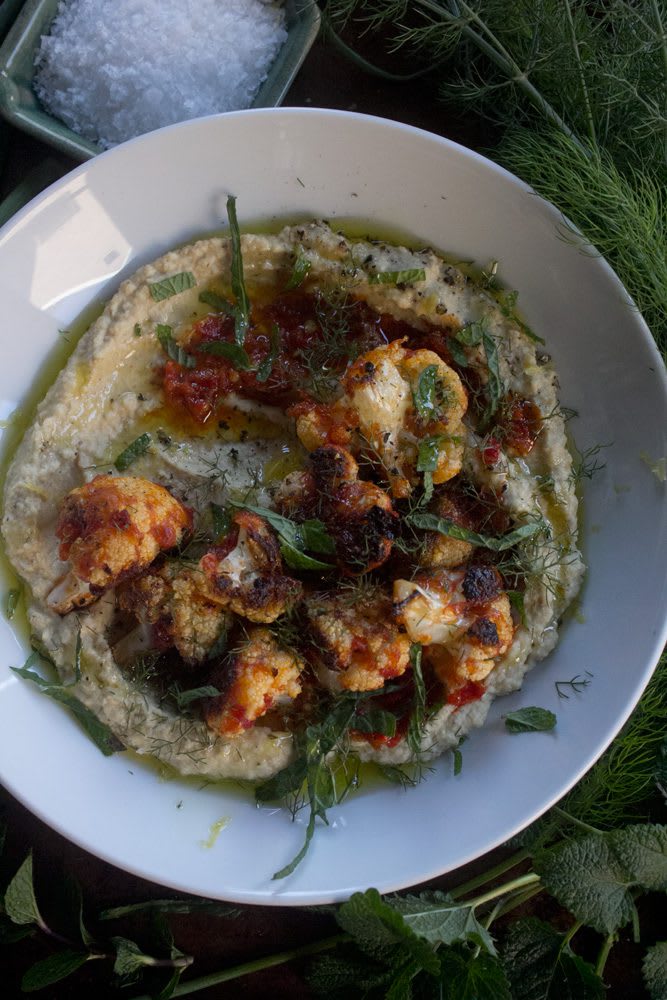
<point x="114" y="69"/>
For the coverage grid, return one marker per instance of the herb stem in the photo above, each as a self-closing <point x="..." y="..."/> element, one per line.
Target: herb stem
<point x="246" y="968"/>
<point x="569" y="818"/>
<point x="498" y="54"/>
<point x="491" y="874"/>
<point x="576" y="926"/>
<point x="517" y="900"/>
<point x="604" y="953"/>
<point x="505" y="889"/>
<point x="662" y="35"/>
<point x="580" y="70"/>
<point x="369" y="67"/>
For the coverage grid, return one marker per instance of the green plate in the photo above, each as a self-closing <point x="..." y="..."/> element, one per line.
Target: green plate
<point x="8" y="11"/>
<point x="19" y="105"/>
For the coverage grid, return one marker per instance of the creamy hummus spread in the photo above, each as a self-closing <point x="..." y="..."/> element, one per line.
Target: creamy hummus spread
<point x="277" y="479"/>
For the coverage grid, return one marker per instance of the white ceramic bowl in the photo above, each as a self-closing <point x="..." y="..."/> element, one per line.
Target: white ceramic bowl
<point x="76" y="241"/>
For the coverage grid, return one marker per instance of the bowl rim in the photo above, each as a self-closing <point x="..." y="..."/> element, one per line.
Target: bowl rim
<point x="362" y="120"/>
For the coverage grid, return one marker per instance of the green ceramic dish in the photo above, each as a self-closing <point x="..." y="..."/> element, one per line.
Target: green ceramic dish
<point x="8" y="11"/>
<point x="19" y="105"/>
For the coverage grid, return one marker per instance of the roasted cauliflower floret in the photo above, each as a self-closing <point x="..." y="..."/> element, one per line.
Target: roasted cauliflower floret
<point x="251" y="682"/>
<point x="111" y="529"/>
<point x="171" y="599"/>
<point x="296" y="496"/>
<point x="358" y="515"/>
<point x="472" y="656"/>
<point x="355" y="645"/>
<point x="403" y="398"/>
<point x="461" y="616"/>
<point x="321" y="424"/>
<point x="246" y="573"/>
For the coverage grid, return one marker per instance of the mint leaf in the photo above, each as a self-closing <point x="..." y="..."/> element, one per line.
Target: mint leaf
<point x="232" y="352"/>
<point x="174" y="285"/>
<point x="20" y="901"/>
<point x="297" y="559"/>
<point x="294" y="537"/>
<point x="642" y="850"/>
<point x="404" y="277"/>
<point x="431" y="522"/>
<point x="13" y="598"/>
<point x="588" y="878"/>
<point x="171" y="906"/>
<point x="346" y="974"/>
<point x="494" y="387"/>
<point x="473" y="335"/>
<point x="654" y="968"/>
<point x="177" y="353"/>
<point x="184" y="698"/>
<point x="100" y="734"/>
<point x="217" y="302"/>
<point x="265" y="367"/>
<point x="220" y="519"/>
<point x="316" y="537"/>
<point x="427" y="462"/>
<point x="540" y="966"/>
<point x="418" y="711"/>
<point x="378" y="928"/>
<point x="300" y="270"/>
<point x="436" y="917"/>
<point x="530" y="720"/>
<point x="134" y="450"/>
<point x="466" y="977"/>
<point x="425" y="393"/>
<point x="130" y="959"/>
<point x="53" y="969"/>
<point x="242" y="311"/>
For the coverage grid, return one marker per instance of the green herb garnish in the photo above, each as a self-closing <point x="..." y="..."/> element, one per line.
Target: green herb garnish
<point x="418" y="713"/>
<point x="242" y="310"/>
<point x="473" y="335"/>
<point x="405" y="277"/>
<point x="99" y="733"/>
<point x="313" y="778"/>
<point x="11" y="604"/>
<point x="164" y="334"/>
<point x="135" y="450"/>
<point x="431" y="522"/>
<point x="221" y="520"/>
<point x="425" y="393"/>
<point x="217" y="302"/>
<point x="185" y="698"/>
<point x="232" y="352"/>
<point x="427" y="462"/>
<point x="294" y="537"/>
<point x="137" y="329"/>
<point x="174" y="285"/>
<point x="299" y="271"/>
<point x="530" y="720"/>
<point x="265" y="367"/>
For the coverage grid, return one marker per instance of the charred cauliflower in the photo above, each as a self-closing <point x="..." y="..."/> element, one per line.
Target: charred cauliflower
<point x="111" y="529"/>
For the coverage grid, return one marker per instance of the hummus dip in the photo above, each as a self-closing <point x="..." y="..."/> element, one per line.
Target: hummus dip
<point x="293" y="478"/>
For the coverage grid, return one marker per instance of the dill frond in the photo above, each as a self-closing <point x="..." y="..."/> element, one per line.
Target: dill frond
<point x="619" y="787"/>
<point x="623" y="215"/>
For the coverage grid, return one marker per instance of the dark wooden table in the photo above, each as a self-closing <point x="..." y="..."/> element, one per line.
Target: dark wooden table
<point x="328" y="80"/>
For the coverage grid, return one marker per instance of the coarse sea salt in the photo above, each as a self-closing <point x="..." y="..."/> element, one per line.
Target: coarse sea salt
<point x="114" y="69"/>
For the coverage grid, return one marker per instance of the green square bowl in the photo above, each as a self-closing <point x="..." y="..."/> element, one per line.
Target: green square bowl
<point x="19" y="104"/>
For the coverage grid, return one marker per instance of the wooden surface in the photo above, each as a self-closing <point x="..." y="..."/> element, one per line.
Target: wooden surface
<point x="325" y="80"/>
